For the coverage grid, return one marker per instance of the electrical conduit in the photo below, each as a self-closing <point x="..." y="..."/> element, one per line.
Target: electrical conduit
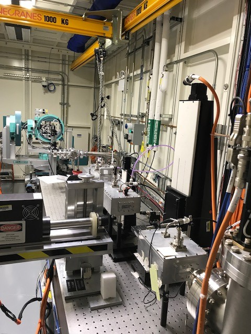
<point x="154" y="81"/>
<point x="162" y="77"/>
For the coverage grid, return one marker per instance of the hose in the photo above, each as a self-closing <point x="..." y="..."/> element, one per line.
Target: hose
<point x="211" y="260"/>
<point x="150" y="148"/>
<point x="212" y="168"/>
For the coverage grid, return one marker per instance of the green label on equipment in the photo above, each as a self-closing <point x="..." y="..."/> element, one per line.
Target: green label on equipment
<point x="20" y="162"/>
<point x="156" y="132"/>
<point x="150" y="130"/>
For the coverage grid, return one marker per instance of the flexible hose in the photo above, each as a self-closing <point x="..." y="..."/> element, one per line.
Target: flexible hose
<point x="150" y="148"/>
<point x="212" y="168"/>
<point x="211" y="260"/>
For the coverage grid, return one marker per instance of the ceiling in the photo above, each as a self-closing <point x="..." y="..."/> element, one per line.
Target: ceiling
<point x="55" y="39"/>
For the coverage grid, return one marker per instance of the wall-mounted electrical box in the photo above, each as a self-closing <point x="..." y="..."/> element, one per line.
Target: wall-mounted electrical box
<point x="134" y="133"/>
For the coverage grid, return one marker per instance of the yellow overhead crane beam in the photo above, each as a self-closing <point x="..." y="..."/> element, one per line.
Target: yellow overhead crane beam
<point x="55" y="21"/>
<point x="144" y="13"/>
<point x="86" y="57"/>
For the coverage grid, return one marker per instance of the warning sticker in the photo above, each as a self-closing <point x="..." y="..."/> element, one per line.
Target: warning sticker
<point x="12" y="232"/>
<point x="5" y="207"/>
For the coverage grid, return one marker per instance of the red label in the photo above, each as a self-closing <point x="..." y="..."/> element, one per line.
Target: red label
<point x="10" y="228"/>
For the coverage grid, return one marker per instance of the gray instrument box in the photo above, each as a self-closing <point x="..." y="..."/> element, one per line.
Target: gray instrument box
<point x="118" y="204"/>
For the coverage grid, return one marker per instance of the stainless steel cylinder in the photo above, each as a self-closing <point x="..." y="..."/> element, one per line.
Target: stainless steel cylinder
<point x="70" y="223"/>
<point x="237" y="265"/>
<point x="238" y="310"/>
<point x="241" y="175"/>
<point x="216" y="298"/>
<point x="246" y="138"/>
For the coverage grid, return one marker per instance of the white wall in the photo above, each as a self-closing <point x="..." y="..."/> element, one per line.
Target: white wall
<point x="214" y="24"/>
<point x="25" y="95"/>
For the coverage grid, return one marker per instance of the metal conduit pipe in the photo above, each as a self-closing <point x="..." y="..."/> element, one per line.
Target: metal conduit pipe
<point x="141" y="75"/>
<point x="197" y="55"/>
<point x="64" y="77"/>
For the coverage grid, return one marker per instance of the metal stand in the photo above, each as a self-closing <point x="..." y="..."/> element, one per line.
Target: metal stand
<point x="164" y="308"/>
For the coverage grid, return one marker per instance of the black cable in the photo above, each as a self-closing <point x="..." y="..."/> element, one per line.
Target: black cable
<point x="133" y="154"/>
<point x="154" y="190"/>
<point x="233" y="109"/>
<point x="244" y="52"/>
<point x="172" y="297"/>
<point x="204" y="218"/>
<point x="32" y="300"/>
<point x="39" y="278"/>
<point x="50" y="167"/>
<point x="47" y="314"/>
<point x="152" y="301"/>
<point x="49" y="330"/>
<point x="149" y="259"/>
<point x="167" y="220"/>
<point x="146" y="203"/>
<point x="156" y="205"/>
<point x="154" y="152"/>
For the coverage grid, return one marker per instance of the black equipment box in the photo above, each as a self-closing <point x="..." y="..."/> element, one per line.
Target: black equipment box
<point x="21" y="218"/>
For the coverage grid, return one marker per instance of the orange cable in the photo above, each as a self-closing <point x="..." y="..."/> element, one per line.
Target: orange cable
<point x="41" y="322"/>
<point x="249" y="97"/>
<point x="212" y="168"/>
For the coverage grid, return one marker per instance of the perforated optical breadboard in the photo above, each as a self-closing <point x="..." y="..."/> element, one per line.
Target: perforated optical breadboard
<point x="132" y="316"/>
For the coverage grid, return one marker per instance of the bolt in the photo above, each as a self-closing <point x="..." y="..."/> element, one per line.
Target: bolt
<point x="219" y="293"/>
<point x="211" y="301"/>
<point x="229" y="242"/>
<point x="235" y="249"/>
<point x="225" y="87"/>
<point x="235" y="232"/>
<point x="207" y="312"/>
<point x="247" y="241"/>
<point x="247" y="257"/>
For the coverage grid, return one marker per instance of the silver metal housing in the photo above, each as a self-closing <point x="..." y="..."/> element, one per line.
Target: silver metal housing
<point x="119" y="204"/>
<point x="173" y="267"/>
<point x="216" y="297"/>
<point x="82" y="198"/>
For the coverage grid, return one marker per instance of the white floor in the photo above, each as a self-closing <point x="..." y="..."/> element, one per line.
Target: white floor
<point x="17" y="286"/>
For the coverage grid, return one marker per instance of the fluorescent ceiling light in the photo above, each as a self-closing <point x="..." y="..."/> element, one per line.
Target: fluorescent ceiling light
<point x="11" y="32"/>
<point x="26" y="33"/>
<point x="27" y="4"/>
<point x="5" y="2"/>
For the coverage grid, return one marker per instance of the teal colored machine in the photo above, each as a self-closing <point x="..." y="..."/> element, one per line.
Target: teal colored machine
<point x="46" y="128"/>
<point x="15" y="127"/>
